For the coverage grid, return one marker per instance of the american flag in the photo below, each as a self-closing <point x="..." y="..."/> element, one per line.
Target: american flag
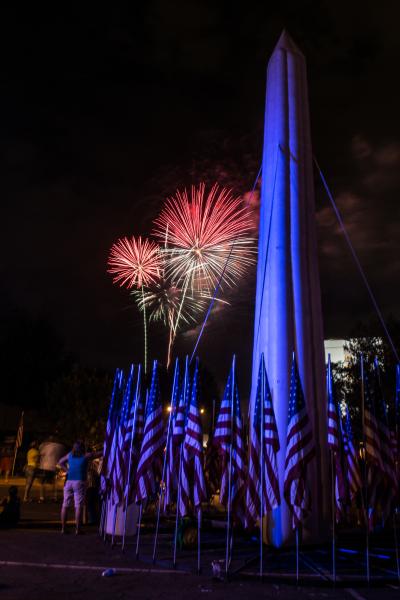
<point x="300" y="450"/>
<point x="178" y="434"/>
<point x="334" y="445"/>
<point x="262" y="426"/>
<point x="139" y="428"/>
<point x="112" y="457"/>
<point x="151" y="452"/>
<point x="373" y="456"/>
<point x="351" y="462"/>
<point x="333" y="417"/>
<point x="229" y="437"/>
<point x="120" y="469"/>
<point x="20" y="432"/>
<point x="193" y="486"/>
<point x="170" y="468"/>
<point x="129" y="449"/>
<point x="178" y="429"/>
<point x="109" y="434"/>
<point x="389" y="486"/>
<point x="137" y="433"/>
<point x="212" y="470"/>
<point x="371" y="430"/>
<point x="134" y="429"/>
<point x="112" y="415"/>
<point x="373" y="453"/>
<point x="395" y="432"/>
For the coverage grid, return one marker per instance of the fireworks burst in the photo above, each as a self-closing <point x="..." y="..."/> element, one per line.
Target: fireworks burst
<point x="207" y="238"/>
<point x="163" y="301"/>
<point x="166" y="302"/>
<point x="134" y="263"/>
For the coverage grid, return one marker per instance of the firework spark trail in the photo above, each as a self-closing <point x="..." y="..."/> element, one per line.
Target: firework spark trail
<point x="169" y="304"/>
<point x="144" y="333"/>
<point x="221" y="277"/>
<point x="203" y="231"/>
<point x="134" y="263"/>
<point x="178" y="316"/>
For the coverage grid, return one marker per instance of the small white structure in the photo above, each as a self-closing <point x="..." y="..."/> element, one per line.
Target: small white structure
<point x="335" y="348"/>
<point x="131" y="519"/>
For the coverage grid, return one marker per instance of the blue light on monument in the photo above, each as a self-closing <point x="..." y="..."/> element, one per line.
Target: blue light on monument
<point x="288" y="313"/>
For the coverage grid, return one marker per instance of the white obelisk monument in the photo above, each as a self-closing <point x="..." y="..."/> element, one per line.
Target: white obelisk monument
<point x="288" y="314"/>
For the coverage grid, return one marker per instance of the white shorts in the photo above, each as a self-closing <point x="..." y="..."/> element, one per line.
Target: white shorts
<point x="75" y="490"/>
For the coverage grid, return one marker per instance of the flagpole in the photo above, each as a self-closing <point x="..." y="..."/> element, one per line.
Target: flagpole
<point x="138" y="526"/>
<point x="230" y="472"/>
<point x="180" y="464"/>
<point x="114" y="524"/>
<point x="165" y="463"/>
<point x="297" y="554"/>
<point x="333" y="518"/>
<point x="396" y="467"/>
<point x="396" y="543"/>
<point x="198" y="540"/>
<point x="105" y="516"/>
<point x="333" y="454"/>
<point x="103" y="531"/>
<point x="15" y="458"/>
<point x="213" y="416"/>
<point x="177" y="506"/>
<point x="116" y="426"/>
<point x="365" y="469"/>
<point x="137" y="392"/>
<point x="101" y="524"/>
<point x="262" y="464"/>
<point x="121" y="424"/>
<point x="18" y="441"/>
<point x="139" y="522"/>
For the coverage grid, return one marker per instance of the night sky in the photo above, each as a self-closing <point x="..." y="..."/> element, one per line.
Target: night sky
<point x="106" y="113"/>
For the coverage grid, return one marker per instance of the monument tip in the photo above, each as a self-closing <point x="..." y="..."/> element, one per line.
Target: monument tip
<point x="286" y="42"/>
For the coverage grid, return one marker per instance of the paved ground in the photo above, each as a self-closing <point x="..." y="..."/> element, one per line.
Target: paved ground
<point x="36" y="562"/>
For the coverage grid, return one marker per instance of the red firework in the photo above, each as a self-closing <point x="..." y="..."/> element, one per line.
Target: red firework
<point x="134" y="263"/>
<point x="207" y="236"/>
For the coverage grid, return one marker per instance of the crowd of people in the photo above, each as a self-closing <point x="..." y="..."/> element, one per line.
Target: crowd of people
<point x="48" y="464"/>
<point x="42" y="464"/>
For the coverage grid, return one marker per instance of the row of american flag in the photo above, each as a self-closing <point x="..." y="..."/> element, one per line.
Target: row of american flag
<point x="144" y="456"/>
<point x="367" y="471"/>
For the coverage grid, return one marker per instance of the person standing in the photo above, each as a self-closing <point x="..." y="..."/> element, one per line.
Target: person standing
<point x="31" y="469"/>
<point x="50" y="453"/>
<point x="76" y="465"/>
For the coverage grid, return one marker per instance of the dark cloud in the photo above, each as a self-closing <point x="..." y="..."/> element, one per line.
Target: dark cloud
<point x="371" y="214"/>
